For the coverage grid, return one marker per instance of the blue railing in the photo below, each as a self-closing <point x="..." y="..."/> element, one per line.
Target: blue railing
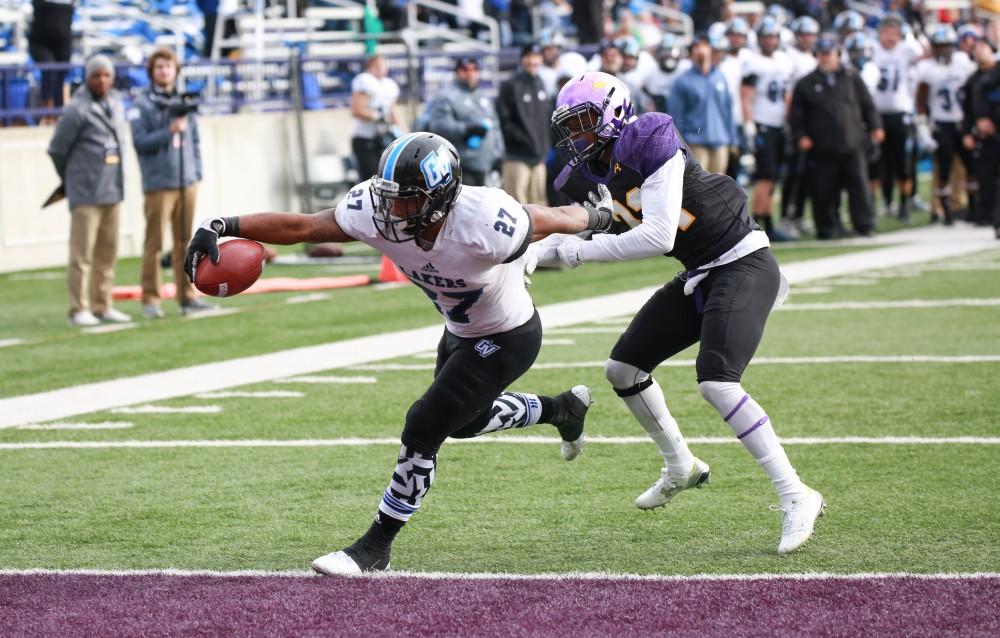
<point x="230" y="86"/>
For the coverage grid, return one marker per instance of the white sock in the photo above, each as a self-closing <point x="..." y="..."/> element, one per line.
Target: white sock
<point x="649" y="407"/>
<point x="753" y="428"/>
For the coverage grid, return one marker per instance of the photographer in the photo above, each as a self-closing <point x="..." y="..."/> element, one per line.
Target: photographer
<point x="373" y="107"/>
<point x="165" y="135"/>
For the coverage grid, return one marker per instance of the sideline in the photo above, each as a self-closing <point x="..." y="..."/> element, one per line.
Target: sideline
<point x="920" y="245"/>
<point x="486" y="440"/>
<point x="620" y="576"/>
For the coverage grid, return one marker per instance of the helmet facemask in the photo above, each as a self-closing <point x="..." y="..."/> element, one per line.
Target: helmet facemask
<point x="571" y="126"/>
<point x="401" y="214"/>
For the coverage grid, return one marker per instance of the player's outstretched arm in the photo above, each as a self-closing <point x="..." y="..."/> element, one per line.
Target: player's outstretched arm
<point x="271" y="228"/>
<point x="569" y="220"/>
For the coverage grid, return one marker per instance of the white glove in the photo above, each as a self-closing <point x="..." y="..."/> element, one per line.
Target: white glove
<point x="925" y="138"/>
<point x="569" y="251"/>
<point x="530" y="263"/>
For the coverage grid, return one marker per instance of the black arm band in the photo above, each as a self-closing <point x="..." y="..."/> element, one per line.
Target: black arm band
<point x="524" y="245"/>
<point x="232" y="228"/>
<point x="598" y="219"/>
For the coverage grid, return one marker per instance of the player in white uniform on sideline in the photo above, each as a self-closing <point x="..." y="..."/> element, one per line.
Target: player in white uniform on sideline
<point x="895" y="56"/>
<point x="766" y="82"/>
<point x="464" y="247"/>
<point x="793" y="190"/>
<point x="939" y="80"/>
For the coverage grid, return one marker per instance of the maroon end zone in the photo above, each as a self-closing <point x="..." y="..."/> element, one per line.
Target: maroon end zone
<point x="154" y="605"/>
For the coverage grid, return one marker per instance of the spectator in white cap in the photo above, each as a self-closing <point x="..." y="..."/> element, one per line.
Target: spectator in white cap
<point x="86" y="151"/>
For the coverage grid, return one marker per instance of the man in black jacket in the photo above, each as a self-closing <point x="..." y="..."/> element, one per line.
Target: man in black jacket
<point x="524" y="109"/>
<point x="982" y="123"/>
<point x="831" y="114"/>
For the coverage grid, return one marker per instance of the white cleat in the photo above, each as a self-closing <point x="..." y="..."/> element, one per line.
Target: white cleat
<point x="336" y="564"/>
<point x="668" y="486"/>
<point x="799" y="520"/>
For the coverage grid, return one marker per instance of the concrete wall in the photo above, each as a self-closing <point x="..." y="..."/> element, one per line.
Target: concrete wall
<point x="250" y="164"/>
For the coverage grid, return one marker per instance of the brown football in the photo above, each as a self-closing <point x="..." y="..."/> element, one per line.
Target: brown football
<point x="241" y="261"/>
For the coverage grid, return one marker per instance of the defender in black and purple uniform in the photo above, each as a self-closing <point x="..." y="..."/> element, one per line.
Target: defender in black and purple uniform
<point x="664" y="203"/>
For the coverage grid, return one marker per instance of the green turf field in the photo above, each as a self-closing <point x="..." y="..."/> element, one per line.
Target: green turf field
<point x="508" y="506"/>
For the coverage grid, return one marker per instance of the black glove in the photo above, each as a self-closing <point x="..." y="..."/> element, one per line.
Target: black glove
<point x="600" y="209"/>
<point x="206" y="242"/>
<point x="476" y="130"/>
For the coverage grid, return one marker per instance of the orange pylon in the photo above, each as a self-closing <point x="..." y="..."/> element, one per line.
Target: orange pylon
<point x="390" y="272"/>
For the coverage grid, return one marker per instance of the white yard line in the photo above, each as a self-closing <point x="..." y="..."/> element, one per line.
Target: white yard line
<point x="105" y="425"/>
<point x="922" y="245"/>
<point x="6" y="343"/>
<point x="316" y="296"/>
<point x="484" y="440"/>
<point x="109" y="327"/>
<point x="270" y="394"/>
<point x="327" y="379"/>
<point x="613" y="576"/>
<point x="889" y="305"/>
<point x="688" y="363"/>
<point x="162" y="409"/>
<point x="558" y="342"/>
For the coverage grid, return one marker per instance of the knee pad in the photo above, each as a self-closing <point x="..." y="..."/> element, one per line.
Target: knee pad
<point x="625" y="378"/>
<point x="722" y="395"/>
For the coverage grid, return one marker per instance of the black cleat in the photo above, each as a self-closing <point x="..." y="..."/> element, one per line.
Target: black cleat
<point x="570" y="412"/>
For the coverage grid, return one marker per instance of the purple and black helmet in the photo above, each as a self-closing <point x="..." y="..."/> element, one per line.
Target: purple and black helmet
<point x="593" y="102"/>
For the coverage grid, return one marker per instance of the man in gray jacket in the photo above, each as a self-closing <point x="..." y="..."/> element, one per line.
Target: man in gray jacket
<point x="165" y="135"/>
<point x="464" y="116"/>
<point x="86" y="151"/>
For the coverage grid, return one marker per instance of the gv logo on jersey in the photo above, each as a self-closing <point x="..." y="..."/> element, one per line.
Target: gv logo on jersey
<point x="436" y="168"/>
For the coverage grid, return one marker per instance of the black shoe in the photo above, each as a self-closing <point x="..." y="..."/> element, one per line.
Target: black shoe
<point x="997" y="231"/>
<point x="570" y="413"/>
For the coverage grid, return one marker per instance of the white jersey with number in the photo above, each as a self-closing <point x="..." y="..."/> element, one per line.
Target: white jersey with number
<point x="382" y="94"/>
<point x="464" y="273"/>
<point x="944" y="81"/>
<point x="803" y="63"/>
<point x="773" y="80"/>
<point x="894" y="92"/>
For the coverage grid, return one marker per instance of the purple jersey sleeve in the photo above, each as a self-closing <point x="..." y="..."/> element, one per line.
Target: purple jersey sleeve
<point x="647" y="143"/>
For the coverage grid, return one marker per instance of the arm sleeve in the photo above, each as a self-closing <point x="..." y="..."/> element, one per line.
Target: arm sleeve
<point x="196" y="142"/>
<point x="67" y="131"/>
<point x="661" y="196"/>
<point x="146" y="138"/>
<point x="796" y="112"/>
<point x="676" y="102"/>
<point x="868" y="110"/>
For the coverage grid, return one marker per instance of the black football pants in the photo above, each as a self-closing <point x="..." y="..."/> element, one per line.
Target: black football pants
<point x="829" y="174"/>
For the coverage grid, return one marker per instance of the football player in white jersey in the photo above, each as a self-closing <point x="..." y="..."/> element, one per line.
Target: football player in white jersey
<point x="793" y="190"/>
<point x="939" y="81"/>
<point x="671" y="63"/>
<point x="464" y="247"/>
<point x="895" y="56"/>
<point x="766" y="83"/>
<point x="859" y="48"/>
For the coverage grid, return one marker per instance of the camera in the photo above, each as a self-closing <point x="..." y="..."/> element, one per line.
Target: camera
<point x="178" y="105"/>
